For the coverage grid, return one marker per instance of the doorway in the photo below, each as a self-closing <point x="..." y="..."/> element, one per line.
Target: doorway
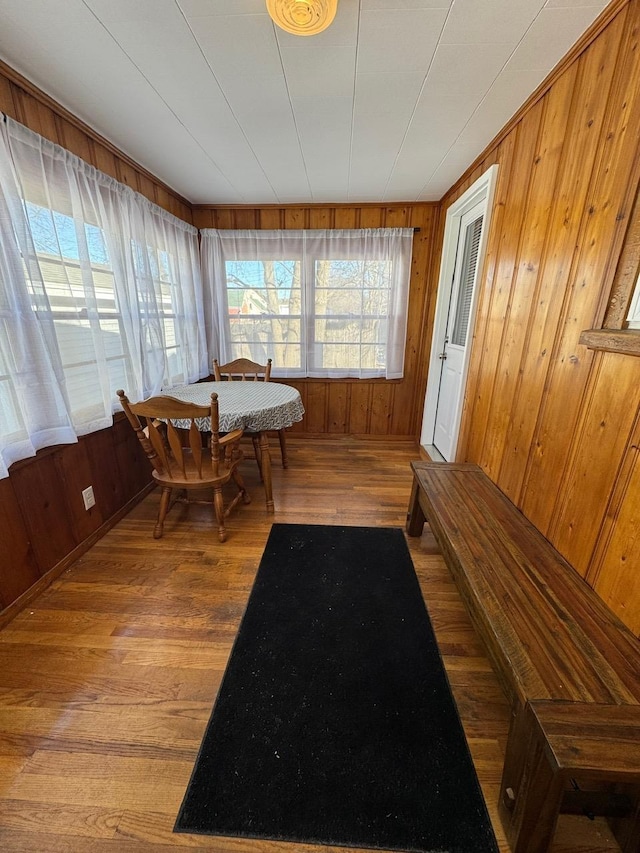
<point x="463" y="250"/>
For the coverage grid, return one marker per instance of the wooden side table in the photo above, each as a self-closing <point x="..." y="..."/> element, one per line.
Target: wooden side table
<point x="581" y="758"/>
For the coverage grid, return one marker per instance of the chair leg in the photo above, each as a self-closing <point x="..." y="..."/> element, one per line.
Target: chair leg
<point x="237" y="479"/>
<point x="218" y="505"/>
<point x="165" y="497"/>
<point x="283" y="448"/>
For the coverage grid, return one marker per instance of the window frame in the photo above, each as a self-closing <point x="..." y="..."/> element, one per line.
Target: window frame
<point x="310" y="345"/>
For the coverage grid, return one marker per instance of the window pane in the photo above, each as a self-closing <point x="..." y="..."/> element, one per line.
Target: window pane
<point x="264" y="303"/>
<point x="82" y="301"/>
<point x="467" y="278"/>
<point x="119" y="374"/>
<point x="260" y="338"/>
<point x="10" y="418"/>
<point x="351" y="300"/>
<point x="350" y="330"/>
<point x="263" y="287"/>
<point x="112" y="339"/>
<point x="84" y="390"/>
<point x="158" y="289"/>
<point x="345" y="356"/>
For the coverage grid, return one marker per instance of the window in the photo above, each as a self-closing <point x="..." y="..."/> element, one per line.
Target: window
<point x="166" y="319"/>
<point x="82" y="301"/>
<point x="99" y="290"/>
<point x="633" y="317"/>
<point x="319" y="303"/>
<point x="10" y="419"/>
<point x="80" y="293"/>
<point x="264" y="311"/>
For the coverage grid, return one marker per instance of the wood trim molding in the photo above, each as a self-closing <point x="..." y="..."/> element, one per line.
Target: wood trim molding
<point x="318" y="205"/>
<point x="623" y="341"/>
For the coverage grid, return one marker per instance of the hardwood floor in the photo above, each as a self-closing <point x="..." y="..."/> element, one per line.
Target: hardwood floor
<point x="107" y="681"/>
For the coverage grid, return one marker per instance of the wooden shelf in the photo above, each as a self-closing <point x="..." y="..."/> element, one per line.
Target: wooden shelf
<point x="624" y="341"/>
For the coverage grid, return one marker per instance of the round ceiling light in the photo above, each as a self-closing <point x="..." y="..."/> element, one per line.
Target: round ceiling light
<point x="302" y="17"/>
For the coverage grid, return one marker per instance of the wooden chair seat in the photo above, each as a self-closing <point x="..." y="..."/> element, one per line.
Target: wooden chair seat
<point x="244" y="370"/>
<point x="180" y="462"/>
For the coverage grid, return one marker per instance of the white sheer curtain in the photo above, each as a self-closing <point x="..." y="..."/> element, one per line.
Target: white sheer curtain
<point x="110" y="280"/>
<point x="320" y="303"/>
<point x="166" y="298"/>
<point x="33" y="412"/>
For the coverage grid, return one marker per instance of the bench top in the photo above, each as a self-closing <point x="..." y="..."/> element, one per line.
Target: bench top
<point x="548" y="632"/>
<point x="589" y="737"/>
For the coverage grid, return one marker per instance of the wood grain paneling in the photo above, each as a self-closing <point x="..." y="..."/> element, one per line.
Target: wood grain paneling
<point x="603" y="222"/>
<point x="45" y="510"/>
<point x="74" y="475"/>
<point x="501" y="341"/>
<point x="549" y="420"/>
<point x="18" y="566"/>
<point x="607" y="418"/>
<point x="617" y="579"/>
<point x="43" y="522"/>
<point x="354" y="407"/>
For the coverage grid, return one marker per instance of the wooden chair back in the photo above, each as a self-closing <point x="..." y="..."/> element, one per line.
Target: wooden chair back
<point x="177" y="453"/>
<point x="179" y="459"/>
<point x="242" y="369"/>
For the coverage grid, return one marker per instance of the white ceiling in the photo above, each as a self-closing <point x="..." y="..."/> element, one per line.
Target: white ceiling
<point x="391" y="103"/>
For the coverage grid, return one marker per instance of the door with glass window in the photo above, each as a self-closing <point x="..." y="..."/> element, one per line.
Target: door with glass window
<point x="456" y="338"/>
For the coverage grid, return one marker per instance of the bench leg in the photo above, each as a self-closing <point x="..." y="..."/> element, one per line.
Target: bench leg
<point x="531" y="790"/>
<point x="415" y="515"/>
<point x="627" y="831"/>
<point x="540" y="798"/>
<point x="517" y="745"/>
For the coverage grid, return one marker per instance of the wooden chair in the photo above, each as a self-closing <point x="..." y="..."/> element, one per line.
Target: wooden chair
<point x="244" y="370"/>
<point x="183" y="468"/>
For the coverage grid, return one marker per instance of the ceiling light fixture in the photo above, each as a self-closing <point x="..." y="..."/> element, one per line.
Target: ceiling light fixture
<point x="302" y="17"/>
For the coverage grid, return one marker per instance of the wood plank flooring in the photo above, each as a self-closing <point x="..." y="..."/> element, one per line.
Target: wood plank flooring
<point x="107" y="681"/>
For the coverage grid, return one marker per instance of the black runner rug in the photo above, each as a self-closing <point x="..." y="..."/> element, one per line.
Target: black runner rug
<point x="335" y="723"/>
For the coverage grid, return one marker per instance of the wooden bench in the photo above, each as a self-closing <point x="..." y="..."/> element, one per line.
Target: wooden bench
<point x="569" y="667"/>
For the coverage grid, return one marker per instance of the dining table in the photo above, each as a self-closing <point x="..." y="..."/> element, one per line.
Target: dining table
<point x="258" y="407"/>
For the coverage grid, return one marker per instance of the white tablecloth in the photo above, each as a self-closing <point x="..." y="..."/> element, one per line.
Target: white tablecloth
<point x="255" y="406"/>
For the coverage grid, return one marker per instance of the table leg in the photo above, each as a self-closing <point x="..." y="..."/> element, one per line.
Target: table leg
<point x="265" y="467"/>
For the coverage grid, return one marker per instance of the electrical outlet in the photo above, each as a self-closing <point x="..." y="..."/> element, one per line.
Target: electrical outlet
<point x="88" y="497"/>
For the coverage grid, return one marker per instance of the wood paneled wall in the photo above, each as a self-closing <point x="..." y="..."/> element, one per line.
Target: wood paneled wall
<point x="378" y="408"/>
<point x="554" y="424"/>
<point x="43" y="523"/>
<point x="25" y="103"/>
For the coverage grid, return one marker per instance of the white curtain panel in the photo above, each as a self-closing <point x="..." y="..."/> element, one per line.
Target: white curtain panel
<point x="33" y="411"/>
<point x="320" y="303"/>
<point x="112" y="284"/>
